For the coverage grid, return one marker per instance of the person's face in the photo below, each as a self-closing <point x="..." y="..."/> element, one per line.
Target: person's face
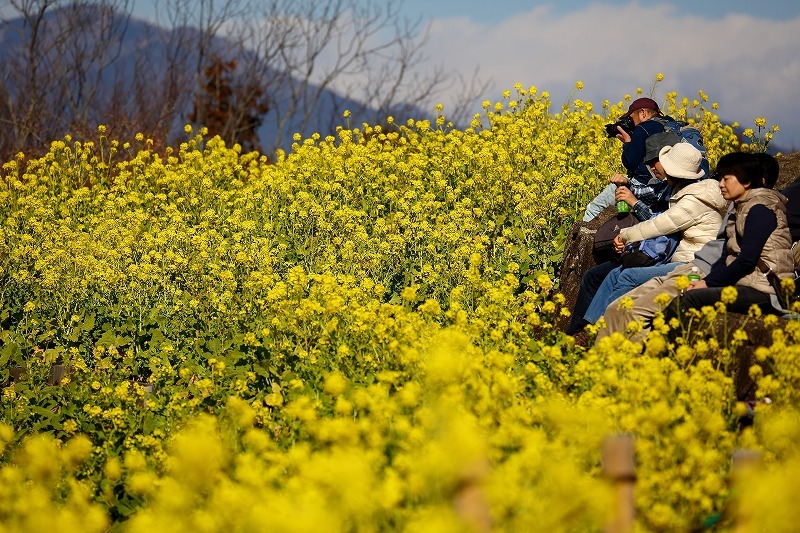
<point x="658" y="170"/>
<point x="731" y="188"/>
<point x="639" y="116"/>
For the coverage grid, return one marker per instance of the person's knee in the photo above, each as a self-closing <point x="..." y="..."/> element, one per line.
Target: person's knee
<point x="593" y="283"/>
<point x="592" y="210"/>
<point x="604" y="199"/>
<point x="627" y="278"/>
<point x="690" y="300"/>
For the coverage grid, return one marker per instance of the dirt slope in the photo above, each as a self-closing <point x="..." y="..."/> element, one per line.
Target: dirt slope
<point x="790" y="169"/>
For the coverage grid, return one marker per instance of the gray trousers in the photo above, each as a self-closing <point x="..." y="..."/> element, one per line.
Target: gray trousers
<point x="644" y="305"/>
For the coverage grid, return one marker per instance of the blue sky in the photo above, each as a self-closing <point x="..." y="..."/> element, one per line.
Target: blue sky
<point x="493" y="12"/>
<point x="744" y="54"/>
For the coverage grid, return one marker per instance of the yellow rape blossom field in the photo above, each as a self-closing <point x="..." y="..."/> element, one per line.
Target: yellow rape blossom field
<point x="356" y="336"/>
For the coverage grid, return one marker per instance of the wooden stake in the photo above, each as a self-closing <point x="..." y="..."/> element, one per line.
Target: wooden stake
<point x="58" y="373"/>
<point x="743" y="463"/>
<point x="470" y="502"/>
<point x="619" y="467"/>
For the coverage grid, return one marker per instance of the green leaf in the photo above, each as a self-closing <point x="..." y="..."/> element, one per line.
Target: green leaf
<point x="110" y="338"/>
<point x="43" y="412"/>
<point x="42" y="426"/>
<point x="45" y="336"/>
<point x="53" y="354"/>
<point x="149" y="425"/>
<point x="214" y="345"/>
<point x="107" y="339"/>
<point x="88" y="323"/>
<point x="262" y="371"/>
<point x="126" y="507"/>
<point x="156" y="337"/>
<point x="10" y="351"/>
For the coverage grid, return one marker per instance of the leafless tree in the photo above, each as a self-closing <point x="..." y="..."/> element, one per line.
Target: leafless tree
<point x="362" y="50"/>
<point x="72" y="67"/>
<point x="23" y="89"/>
<point x="199" y="23"/>
<point x="60" y="75"/>
<point x="88" y="41"/>
<point x="300" y="53"/>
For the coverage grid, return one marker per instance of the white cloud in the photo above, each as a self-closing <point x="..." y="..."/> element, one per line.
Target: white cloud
<point x="749" y="66"/>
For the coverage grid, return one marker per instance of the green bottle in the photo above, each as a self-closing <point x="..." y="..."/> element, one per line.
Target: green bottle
<point x="694" y="275"/>
<point x="623" y="207"/>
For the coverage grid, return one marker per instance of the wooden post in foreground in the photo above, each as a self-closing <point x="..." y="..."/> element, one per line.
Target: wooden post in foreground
<point x="58" y="373"/>
<point x="619" y="467"/>
<point x="470" y="502"/>
<point x="743" y="464"/>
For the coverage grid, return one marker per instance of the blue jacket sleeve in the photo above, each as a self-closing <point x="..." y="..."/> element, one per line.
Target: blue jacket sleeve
<point x="633" y="151"/>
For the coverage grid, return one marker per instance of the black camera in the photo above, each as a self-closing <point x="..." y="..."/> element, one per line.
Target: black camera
<point x="626" y="123"/>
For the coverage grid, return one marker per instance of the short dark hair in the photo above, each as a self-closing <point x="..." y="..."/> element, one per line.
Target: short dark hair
<point x="769" y="169"/>
<point x="747" y="168"/>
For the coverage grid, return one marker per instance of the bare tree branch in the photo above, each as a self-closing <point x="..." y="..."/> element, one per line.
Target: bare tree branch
<point x="280" y="66"/>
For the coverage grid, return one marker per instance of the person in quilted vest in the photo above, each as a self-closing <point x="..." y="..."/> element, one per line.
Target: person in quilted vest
<point x="643" y="305"/>
<point x="756" y="233"/>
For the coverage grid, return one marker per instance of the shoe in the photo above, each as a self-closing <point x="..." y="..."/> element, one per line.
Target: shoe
<point x="747" y="419"/>
<point x="581" y="338"/>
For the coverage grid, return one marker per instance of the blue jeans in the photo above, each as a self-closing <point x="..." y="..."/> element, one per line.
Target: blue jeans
<point x="607" y="197"/>
<point x="618" y="282"/>
<point x="590" y="282"/>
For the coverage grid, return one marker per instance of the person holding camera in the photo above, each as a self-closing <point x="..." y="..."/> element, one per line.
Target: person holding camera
<point x="633" y="129"/>
<point x="645" y="207"/>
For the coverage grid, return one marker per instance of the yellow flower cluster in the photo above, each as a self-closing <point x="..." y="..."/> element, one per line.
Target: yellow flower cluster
<point x="360" y="334"/>
<point x="40" y="490"/>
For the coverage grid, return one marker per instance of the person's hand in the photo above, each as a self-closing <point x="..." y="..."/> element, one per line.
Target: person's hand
<point x="624" y="194"/>
<point x="623" y="135"/>
<point x="698" y="284"/>
<point x="619" y="179"/>
<point x="619" y="244"/>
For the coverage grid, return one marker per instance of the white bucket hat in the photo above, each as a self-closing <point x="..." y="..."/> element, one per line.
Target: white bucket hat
<point x="682" y="161"/>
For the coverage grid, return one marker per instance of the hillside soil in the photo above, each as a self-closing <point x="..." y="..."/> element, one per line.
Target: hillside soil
<point x="790" y="169"/>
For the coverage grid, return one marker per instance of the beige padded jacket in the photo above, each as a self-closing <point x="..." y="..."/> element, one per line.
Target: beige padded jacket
<point x="695" y="209"/>
<point x="777" y="253"/>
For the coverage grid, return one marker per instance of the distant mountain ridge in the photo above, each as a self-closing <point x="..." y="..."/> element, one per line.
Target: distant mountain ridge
<point x="142" y="39"/>
<point x="145" y="39"/>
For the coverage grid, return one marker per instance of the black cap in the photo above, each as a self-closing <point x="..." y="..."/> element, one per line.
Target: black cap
<point x="657" y="141"/>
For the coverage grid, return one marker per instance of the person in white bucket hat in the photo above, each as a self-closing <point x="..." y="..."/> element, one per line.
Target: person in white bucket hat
<point x="681" y="161"/>
<point x="698" y="216"/>
<point x="695" y="212"/>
